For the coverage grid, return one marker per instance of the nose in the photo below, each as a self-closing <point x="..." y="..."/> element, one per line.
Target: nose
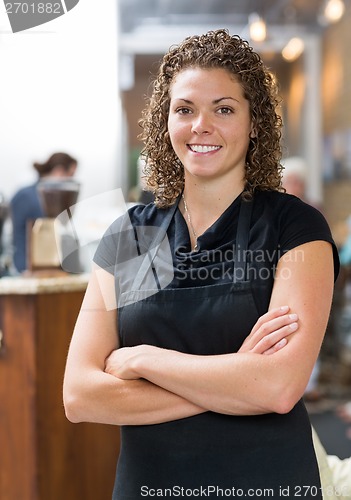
<point x="201" y="124"/>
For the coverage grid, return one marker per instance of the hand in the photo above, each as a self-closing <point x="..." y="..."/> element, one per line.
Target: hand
<point x="270" y="333"/>
<point x="268" y="336"/>
<point x="122" y="363"/>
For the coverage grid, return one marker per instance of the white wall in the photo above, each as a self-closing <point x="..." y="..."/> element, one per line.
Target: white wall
<point x="59" y="92"/>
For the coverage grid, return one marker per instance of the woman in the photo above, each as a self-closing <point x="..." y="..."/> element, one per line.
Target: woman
<point x="179" y="363"/>
<point x="26" y="206"/>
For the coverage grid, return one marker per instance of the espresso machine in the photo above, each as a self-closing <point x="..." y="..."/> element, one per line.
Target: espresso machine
<point x="48" y="235"/>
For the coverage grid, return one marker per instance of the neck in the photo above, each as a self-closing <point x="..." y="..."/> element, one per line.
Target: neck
<point x="209" y="198"/>
<point x="204" y="204"/>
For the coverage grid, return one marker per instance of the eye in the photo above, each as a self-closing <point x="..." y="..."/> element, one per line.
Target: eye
<point x="183" y="111"/>
<point x="224" y="110"/>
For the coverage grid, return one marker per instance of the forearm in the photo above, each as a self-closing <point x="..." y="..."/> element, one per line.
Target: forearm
<point x="103" y="398"/>
<point x="249" y="383"/>
<point x="240" y="384"/>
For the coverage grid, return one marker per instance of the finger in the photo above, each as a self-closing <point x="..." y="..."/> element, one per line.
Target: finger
<point x="268" y="316"/>
<point x="270" y="327"/>
<point x="270" y="340"/>
<point x="279" y="345"/>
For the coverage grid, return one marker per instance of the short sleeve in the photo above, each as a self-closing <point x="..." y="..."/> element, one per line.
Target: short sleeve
<point x="136" y="251"/>
<point x="110" y="244"/>
<point x="302" y="223"/>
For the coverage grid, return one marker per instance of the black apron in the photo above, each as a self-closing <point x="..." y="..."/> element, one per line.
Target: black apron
<point x="210" y="454"/>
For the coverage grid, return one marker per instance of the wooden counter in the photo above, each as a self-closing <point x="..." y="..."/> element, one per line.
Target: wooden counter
<point x="42" y="455"/>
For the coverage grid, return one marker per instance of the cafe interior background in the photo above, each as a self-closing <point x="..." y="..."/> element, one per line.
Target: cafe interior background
<point x="78" y="83"/>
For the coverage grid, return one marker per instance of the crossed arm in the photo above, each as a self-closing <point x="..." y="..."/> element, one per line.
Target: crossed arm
<point x="145" y="384"/>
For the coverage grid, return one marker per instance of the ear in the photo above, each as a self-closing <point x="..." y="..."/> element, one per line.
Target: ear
<point x="253" y="133"/>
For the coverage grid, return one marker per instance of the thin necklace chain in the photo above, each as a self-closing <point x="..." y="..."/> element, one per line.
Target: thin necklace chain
<point x="196" y="246"/>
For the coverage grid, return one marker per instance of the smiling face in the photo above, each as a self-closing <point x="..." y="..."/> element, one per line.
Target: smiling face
<point x="209" y="124"/>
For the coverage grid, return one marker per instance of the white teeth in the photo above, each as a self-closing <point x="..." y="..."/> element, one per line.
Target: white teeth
<point x="203" y="149"/>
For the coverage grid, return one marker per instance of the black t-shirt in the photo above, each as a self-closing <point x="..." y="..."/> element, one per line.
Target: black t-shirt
<point x="279" y="223"/>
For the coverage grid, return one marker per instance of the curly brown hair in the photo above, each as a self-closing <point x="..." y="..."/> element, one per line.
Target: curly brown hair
<point x="164" y="173"/>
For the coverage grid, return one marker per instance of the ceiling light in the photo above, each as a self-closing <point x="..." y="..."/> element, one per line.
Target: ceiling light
<point x="257" y="28"/>
<point x="293" y="49"/>
<point x="334" y="10"/>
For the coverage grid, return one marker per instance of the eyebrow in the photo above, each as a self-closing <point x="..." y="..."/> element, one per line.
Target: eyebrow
<point x="216" y="101"/>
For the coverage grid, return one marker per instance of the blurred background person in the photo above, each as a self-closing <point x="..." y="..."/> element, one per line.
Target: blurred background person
<point x="26" y="207"/>
<point x="140" y="193"/>
<point x="295" y="179"/>
<point x="295" y="176"/>
<point x="145" y="195"/>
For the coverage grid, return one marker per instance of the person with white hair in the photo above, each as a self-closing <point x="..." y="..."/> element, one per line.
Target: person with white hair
<point x="295" y="176"/>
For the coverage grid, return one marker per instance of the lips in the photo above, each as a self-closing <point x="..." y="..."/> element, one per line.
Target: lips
<point x="202" y="148"/>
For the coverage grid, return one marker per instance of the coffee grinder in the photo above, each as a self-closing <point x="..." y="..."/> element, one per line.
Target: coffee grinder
<point x="47" y="234"/>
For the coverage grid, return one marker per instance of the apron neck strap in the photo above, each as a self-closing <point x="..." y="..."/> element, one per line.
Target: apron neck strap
<point x="154" y="246"/>
<point x="242" y="241"/>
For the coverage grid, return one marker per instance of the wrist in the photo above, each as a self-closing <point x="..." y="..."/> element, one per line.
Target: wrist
<point x="144" y="359"/>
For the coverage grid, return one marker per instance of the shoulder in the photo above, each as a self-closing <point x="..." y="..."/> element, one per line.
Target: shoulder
<point x="147" y="215"/>
<point x="140" y="215"/>
<point x="285" y="207"/>
<point x="126" y="226"/>
<point x="25" y="193"/>
<point x="25" y="204"/>
<point x="278" y="200"/>
<point x="294" y="221"/>
<point x="133" y="231"/>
